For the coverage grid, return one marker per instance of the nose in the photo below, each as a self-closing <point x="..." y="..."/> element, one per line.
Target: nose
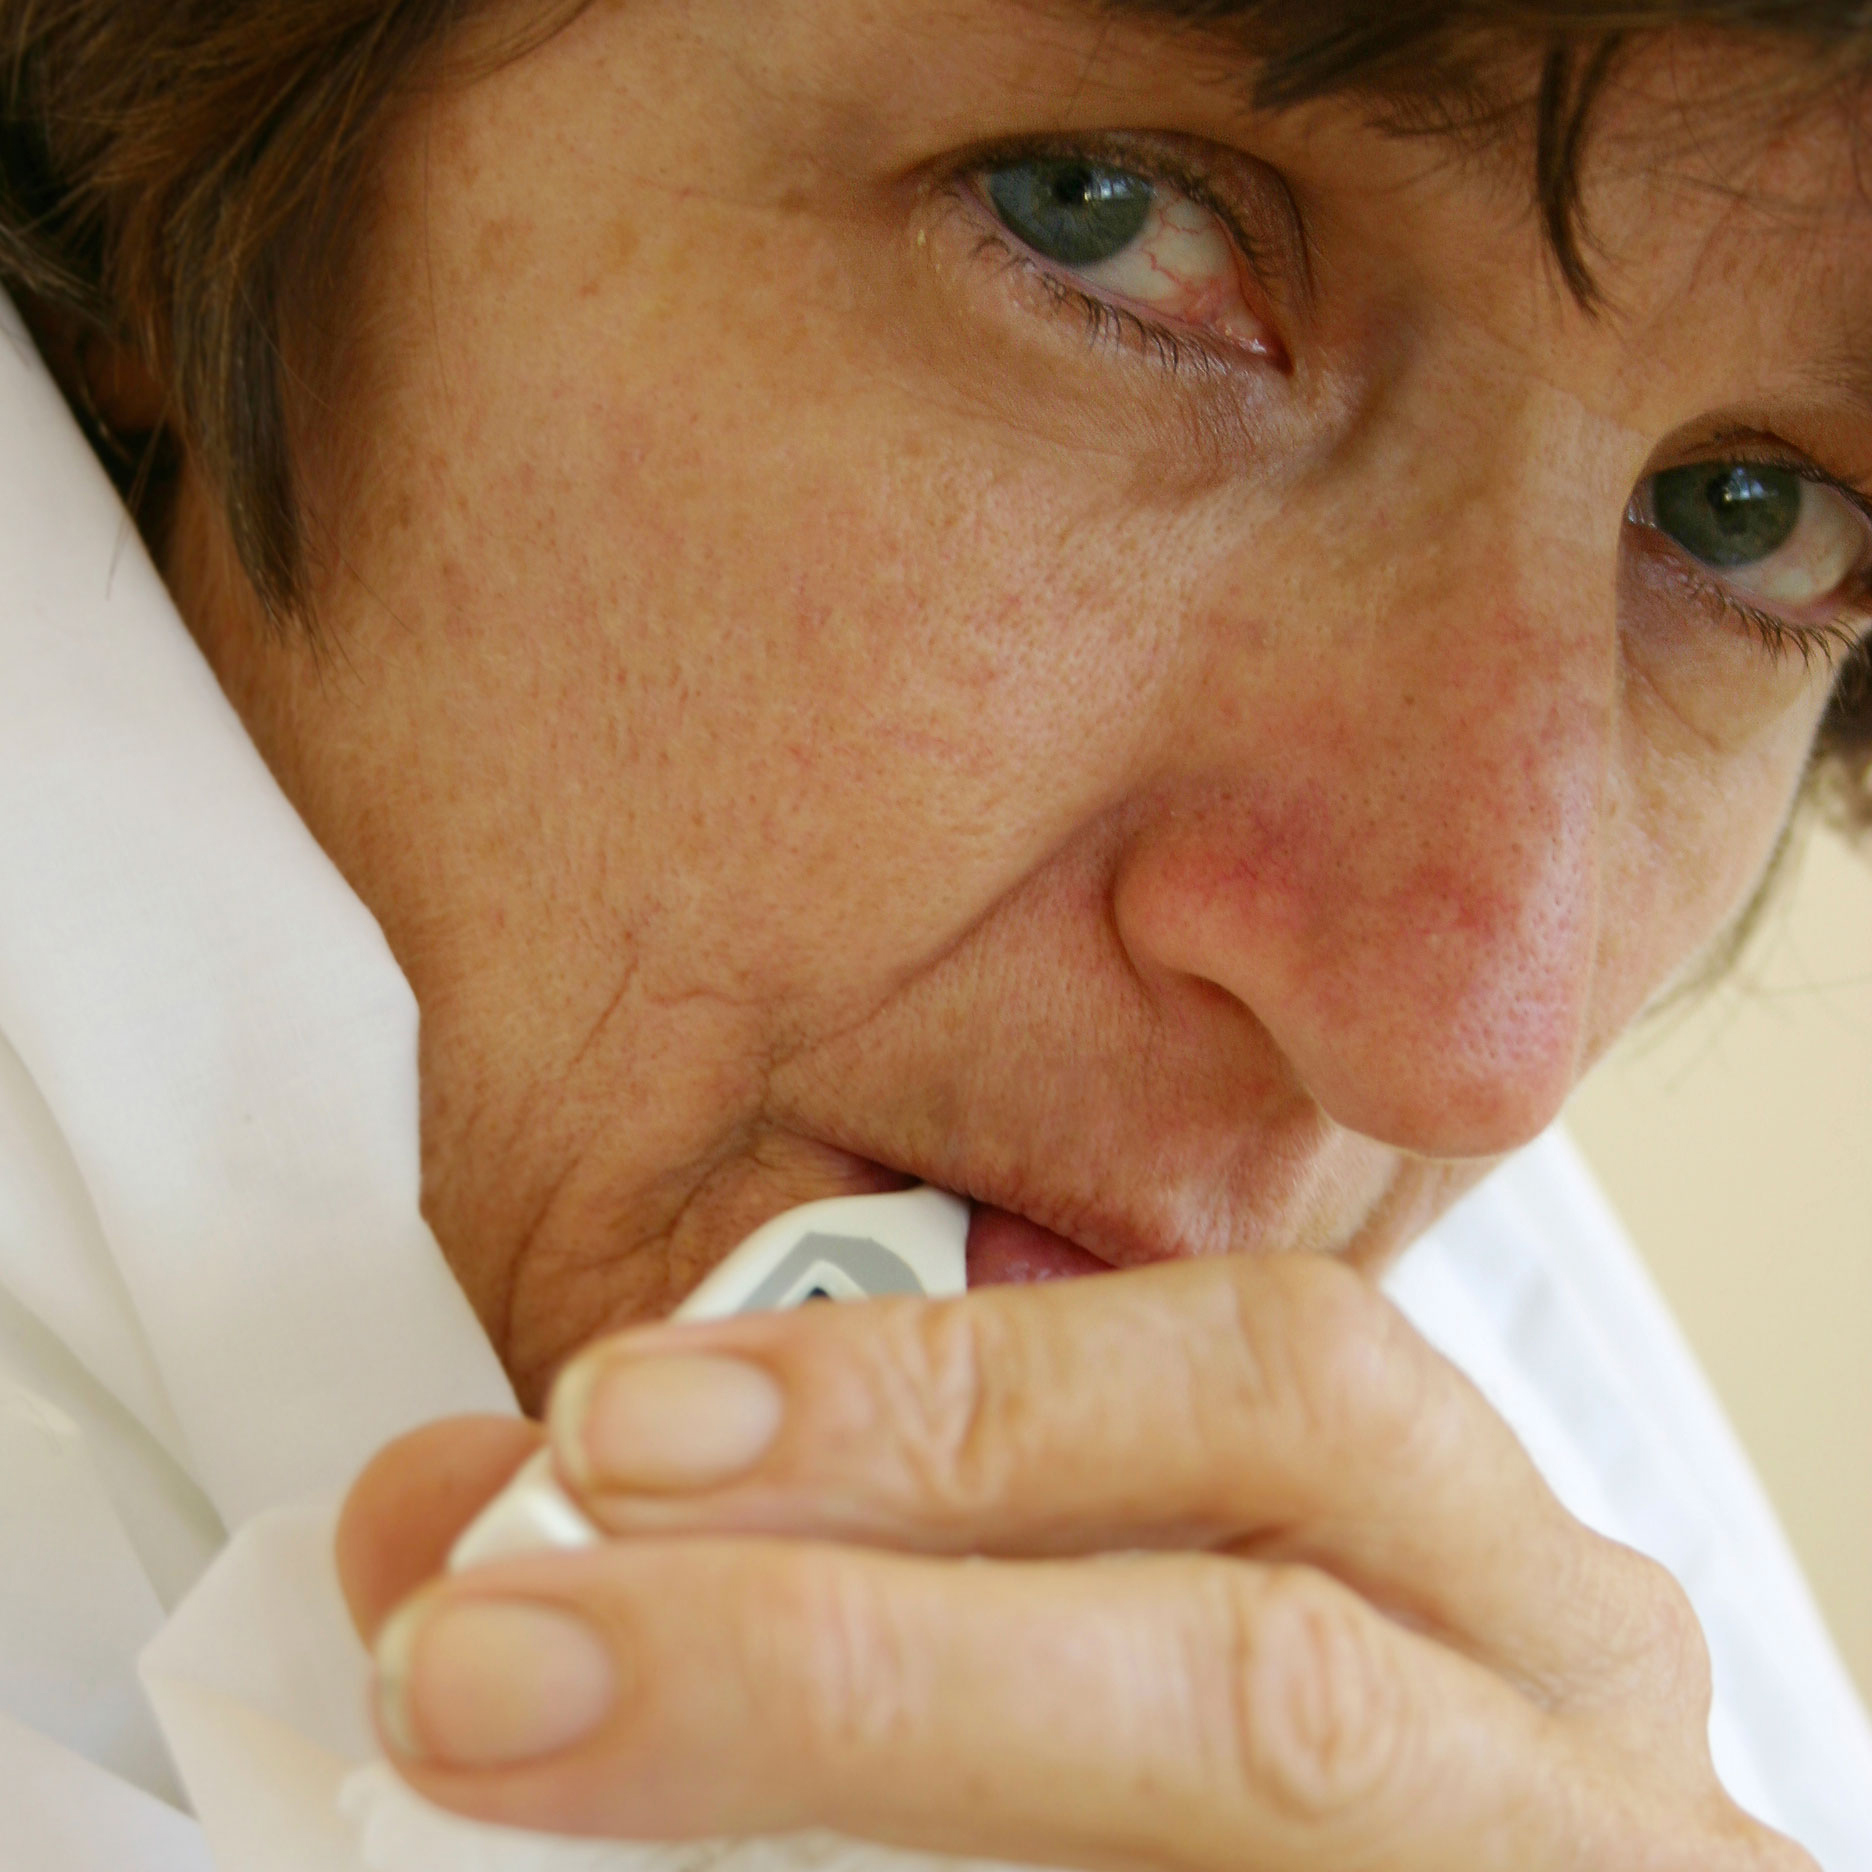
<point x="1383" y="844"/>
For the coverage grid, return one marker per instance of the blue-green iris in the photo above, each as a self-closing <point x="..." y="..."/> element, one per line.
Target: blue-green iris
<point x="1076" y="213"/>
<point x="1728" y="514"/>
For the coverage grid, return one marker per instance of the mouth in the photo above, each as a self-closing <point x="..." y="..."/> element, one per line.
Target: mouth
<point x="1005" y="1247"/>
<point x="1007" y="1250"/>
<point x="1007" y="1243"/>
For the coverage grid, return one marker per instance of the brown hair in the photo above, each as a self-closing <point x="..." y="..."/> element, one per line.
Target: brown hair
<point x="177" y="176"/>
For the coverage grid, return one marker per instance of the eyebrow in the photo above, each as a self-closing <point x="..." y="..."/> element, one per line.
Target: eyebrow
<point x="1220" y="22"/>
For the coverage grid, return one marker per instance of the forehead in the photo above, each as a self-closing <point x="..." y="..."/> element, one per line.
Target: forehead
<point x="1719" y="177"/>
<point x="1710" y="172"/>
<point x="1718" y="191"/>
<point x="1760" y="120"/>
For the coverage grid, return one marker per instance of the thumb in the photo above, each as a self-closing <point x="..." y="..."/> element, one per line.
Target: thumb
<point x="415" y="1496"/>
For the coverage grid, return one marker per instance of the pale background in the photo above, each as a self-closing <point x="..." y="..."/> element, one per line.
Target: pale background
<point x="1734" y="1134"/>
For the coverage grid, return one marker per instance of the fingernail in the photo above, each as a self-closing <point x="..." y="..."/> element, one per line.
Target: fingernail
<point x="662" y="1424"/>
<point x="475" y="1683"/>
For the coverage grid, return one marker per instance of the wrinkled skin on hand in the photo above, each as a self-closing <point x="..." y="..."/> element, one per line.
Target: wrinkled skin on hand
<point x="1266" y="1584"/>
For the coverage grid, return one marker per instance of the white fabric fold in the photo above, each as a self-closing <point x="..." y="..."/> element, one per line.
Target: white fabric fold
<point x="76" y="1291"/>
<point x="213" y="1023"/>
<point x="218" y="1296"/>
<point x="262" y="1689"/>
<point x="63" y="1813"/>
<point x="79" y="1604"/>
<point x="217" y="1292"/>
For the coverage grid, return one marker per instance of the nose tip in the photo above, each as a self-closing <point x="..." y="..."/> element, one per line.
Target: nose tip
<point x="1456" y="1034"/>
<point x="1435" y="1003"/>
<point x="1382" y="830"/>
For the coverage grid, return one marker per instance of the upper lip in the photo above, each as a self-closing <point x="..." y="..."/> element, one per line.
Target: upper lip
<point x="1116" y="1247"/>
<point x="1118" y="1241"/>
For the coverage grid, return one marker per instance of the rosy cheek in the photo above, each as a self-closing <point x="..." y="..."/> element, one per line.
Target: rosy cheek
<point x="1182" y="267"/>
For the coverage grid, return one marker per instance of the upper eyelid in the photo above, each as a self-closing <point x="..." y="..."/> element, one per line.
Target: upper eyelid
<point x="1742" y="446"/>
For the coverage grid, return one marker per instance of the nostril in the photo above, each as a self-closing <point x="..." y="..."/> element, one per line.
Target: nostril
<point x="1441" y="1011"/>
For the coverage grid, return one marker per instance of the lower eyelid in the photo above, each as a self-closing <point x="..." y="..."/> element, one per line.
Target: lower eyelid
<point x="1104" y="314"/>
<point x="1687" y="586"/>
<point x="1163" y="342"/>
<point x="1831" y="642"/>
<point x="1832" y="646"/>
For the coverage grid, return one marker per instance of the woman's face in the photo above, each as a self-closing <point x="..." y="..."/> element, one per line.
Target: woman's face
<point x="922" y="593"/>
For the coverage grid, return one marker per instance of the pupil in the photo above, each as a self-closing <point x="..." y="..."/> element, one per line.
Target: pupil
<point x="1074" y="213"/>
<point x="1728" y="513"/>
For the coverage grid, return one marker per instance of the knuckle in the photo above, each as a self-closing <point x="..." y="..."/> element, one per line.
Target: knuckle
<point x="1730" y="1840"/>
<point x="1777" y="1854"/>
<point x="822" y="1639"/>
<point x="945" y="1380"/>
<point x="1352" y="1372"/>
<point x="1318" y="1724"/>
<point x="1772" y="1852"/>
<point x="1660" y="1639"/>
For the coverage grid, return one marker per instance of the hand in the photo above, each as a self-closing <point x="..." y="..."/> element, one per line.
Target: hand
<point x="1266" y="1585"/>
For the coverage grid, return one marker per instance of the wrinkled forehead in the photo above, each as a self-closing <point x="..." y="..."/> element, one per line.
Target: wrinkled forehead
<point x="1737" y="186"/>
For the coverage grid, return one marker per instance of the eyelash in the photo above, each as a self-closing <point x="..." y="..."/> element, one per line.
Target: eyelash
<point x="1175" y="351"/>
<point x="1104" y="320"/>
<point x="1837" y="645"/>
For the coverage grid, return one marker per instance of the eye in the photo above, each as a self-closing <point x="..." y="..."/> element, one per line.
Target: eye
<point x="1131" y="238"/>
<point x="1776" y="538"/>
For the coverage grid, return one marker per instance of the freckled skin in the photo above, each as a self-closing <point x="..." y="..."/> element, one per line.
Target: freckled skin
<point x="798" y="707"/>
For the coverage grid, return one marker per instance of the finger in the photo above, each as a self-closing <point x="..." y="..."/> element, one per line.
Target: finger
<point x="417" y="1494"/>
<point x="1278" y="1406"/>
<point x="1170" y="1711"/>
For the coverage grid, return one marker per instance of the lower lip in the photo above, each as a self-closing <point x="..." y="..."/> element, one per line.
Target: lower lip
<point x="1007" y="1250"/>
